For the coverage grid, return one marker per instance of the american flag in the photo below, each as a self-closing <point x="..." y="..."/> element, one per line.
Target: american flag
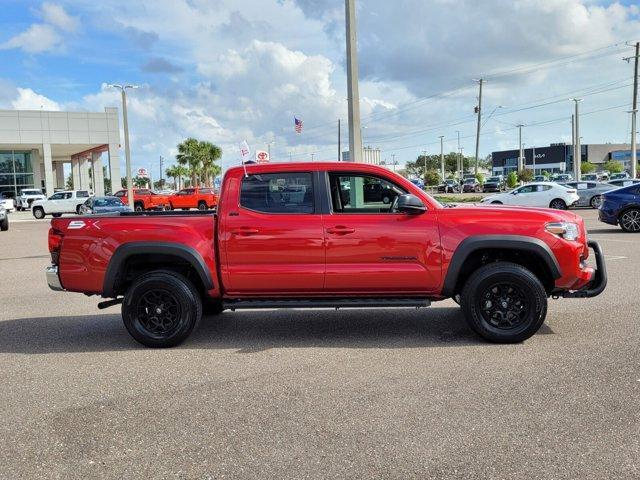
<point x="298" y="125"/>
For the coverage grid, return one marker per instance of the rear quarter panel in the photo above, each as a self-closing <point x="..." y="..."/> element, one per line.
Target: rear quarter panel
<point x="85" y="252"/>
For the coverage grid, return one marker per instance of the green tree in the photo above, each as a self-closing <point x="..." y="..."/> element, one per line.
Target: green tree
<point x="123" y="182"/>
<point x="140" y="182"/>
<point x="69" y="182"/>
<point x="613" y="166"/>
<point x="512" y="179"/>
<point x="587" y="167"/>
<point x="525" y="175"/>
<point x="189" y="156"/>
<point x="210" y="154"/>
<point x="480" y="177"/>
<point x="432" y="177"/>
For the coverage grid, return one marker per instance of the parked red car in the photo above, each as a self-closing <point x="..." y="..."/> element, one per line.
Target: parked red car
<point x="305" y="235"/>
<point x="145" y="199"/>
<point x="200" y="198"/>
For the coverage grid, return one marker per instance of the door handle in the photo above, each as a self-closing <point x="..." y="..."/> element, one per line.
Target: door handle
<point x="340" y="230"/>
<point x="245" y="231"/>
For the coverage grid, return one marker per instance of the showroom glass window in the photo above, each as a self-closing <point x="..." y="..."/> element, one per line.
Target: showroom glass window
<point x="16" y="171"/>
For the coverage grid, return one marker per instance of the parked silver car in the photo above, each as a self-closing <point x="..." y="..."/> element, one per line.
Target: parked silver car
<point x="590" y="193"/>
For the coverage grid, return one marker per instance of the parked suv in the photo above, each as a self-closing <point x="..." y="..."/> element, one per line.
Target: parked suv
<point x="449" y="186"/>
<point x="59" y="203"/>
<point x="494" y="184"/>
<point x="622" y="207"/>
<point x="471" y="185"/>
<point x="7" y="199"/>
<point x="27" y="197"/>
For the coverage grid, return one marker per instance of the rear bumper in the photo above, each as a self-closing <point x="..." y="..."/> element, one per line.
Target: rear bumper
<point x="599" y="281"/>
<point x="53" y="279"/>
<point x="608" y="216"/>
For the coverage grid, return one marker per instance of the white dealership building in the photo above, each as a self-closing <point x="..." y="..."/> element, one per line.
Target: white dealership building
<point x="35" y="145"/>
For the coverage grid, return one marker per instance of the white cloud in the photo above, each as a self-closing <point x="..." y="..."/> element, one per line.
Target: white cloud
<point x="56" y="15"/>
<point x="37" y="38"/>
<point x="29" y="100"/>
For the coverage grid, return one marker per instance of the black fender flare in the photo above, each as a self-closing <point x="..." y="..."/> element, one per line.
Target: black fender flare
<point x="499" y="242"/>
<point x="127" y="250"/>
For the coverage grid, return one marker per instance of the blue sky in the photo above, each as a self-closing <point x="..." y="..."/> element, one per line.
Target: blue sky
<point x="229" y="70"/>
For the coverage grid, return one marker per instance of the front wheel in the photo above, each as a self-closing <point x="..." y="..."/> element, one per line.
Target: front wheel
<point x="504" y="302"/>
<point x="202" y="206"/>
<point x="161" y="309"/>
<point x="630" y="220"/>
<point x="558" y="204"/>
<point x="38" y="212"/>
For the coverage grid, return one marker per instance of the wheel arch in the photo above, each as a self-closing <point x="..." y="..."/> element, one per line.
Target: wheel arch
<point x="475" y="251"/>
<point x="157" y="255"/>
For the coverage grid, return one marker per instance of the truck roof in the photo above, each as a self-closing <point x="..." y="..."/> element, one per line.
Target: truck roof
<point x="310" y="167"/>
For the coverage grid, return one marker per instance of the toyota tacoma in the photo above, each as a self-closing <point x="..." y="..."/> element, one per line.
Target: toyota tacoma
<point x="302" y="235"/>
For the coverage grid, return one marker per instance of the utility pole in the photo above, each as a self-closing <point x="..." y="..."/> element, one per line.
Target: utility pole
<point x="458" y="154"/>
<point x="442" y="156"/>
<point x="573" y="139"/>
<point x="312" y="156"/>
<point x="127" y="152"/>
<point x="339" y="141"/>
<point x="393" y="159"/>
<point x="577" y="157"/>
<point x="634" y="111"/>
<point x="161" y="161"/>
<point x="355" y="139"/>
<point x="479" y="112"/>
<point x="521" y="153"/>
<point x="534" y="160"/>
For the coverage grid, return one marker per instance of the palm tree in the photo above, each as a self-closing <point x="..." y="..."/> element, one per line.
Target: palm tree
<point x="189" y="155"/>
<point x="210" y="154"/>
<point x="182" y="172"/>
<point x="172" y="172"/>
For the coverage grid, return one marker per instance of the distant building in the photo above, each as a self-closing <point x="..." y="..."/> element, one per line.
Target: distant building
<point x="558" y="157"/>
<point x="369" y="155"/>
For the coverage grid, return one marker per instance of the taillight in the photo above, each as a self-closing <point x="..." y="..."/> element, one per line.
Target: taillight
<point x="55" y="240"/>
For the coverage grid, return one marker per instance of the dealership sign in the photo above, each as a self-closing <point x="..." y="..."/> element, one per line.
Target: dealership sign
<point x="262" y="156"/>
<point x="142" y="172"/>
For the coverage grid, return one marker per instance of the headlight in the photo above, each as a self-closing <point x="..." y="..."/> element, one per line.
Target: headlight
<point x="566" y="230"/>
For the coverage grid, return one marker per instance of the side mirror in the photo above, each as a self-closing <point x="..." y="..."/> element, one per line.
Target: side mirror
<point x="410" y="204"/>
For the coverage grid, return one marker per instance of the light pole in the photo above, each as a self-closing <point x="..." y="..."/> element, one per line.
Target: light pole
<point x="355" y="139"/>
<point x="577" y="154"/>
<point x="442" y="156"/>
<point x="458" y="162"/>
<point x="520" y="154"/>
<point x="127" y="153"/>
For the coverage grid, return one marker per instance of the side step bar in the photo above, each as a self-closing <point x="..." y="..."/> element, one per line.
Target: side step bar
<point x="241" y="304"/>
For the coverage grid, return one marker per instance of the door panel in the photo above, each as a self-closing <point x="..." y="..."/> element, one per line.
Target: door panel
<point x="273" y="252"/>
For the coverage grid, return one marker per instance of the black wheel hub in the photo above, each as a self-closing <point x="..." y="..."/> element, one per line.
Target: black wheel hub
<point x="504" y="306"/>
<point x="158" y="312"/>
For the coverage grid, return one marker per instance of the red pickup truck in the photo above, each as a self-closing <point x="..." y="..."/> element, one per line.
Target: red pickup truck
<point x="200" y="198"/>
<point x="306" y="235"/>
<point x="144" y="199"/>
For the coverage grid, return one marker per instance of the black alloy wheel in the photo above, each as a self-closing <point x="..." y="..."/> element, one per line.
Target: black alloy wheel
<point x="630" y="220"/>
<point x="558" y="204"/>
<point x="161" y="309"/>
<point x="504" y="302"/>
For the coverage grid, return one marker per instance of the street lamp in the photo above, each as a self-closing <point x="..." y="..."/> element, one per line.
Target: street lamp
<point x="127" y="153"/>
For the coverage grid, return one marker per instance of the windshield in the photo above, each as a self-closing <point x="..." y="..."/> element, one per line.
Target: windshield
<point x="31" y="192"/>
<point x="493" y="179"/>
<point x="470" y="180"/>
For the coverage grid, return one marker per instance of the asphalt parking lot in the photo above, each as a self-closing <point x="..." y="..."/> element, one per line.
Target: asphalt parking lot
<point x="317" y="394"/>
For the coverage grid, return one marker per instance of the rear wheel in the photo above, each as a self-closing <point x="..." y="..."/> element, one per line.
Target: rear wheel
<point x="202" y="205"/>
<point x="161" y="309"/>
<point x="78" y="209"/>
<point x="504" y="302"/>
<point x="138" y="207"/>
<point x="630" y="220"/>
<point x="596" y="201"/>
<point x="496" y="203"/>
<point x="4" y="225"/>
<point x="558" y="204"/>
<point x="56" y="215"/>
<point x="38" y="212"/>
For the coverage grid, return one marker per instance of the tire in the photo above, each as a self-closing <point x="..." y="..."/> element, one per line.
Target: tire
<point x="523" y="295"/>
<point x="558" y="204"/>
<point x="174" y="297"/>
<point x="167" y="208"/>
<point x="202" y="205"/>
<point x="78" y="210"/>
<point x="38" y="212"/>
<point x="630" y="220"/>
<point x="496" y="202"/>
<point x="596" y="201"/>
<point x="138" y="207"/>
<point x="56" y="215"/>
<point x="4" y="226"/>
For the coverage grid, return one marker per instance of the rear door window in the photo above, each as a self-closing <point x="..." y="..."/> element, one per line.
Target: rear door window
<point x="278" y="193"/>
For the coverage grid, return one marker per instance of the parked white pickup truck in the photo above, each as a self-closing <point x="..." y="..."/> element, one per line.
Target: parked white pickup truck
<point x="27" y="197"/>
<point x="59" y="203"/>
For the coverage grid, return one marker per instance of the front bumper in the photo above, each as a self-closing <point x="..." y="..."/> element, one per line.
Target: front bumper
<point x="53" y="279"/>
<point x="599" y="281"/>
